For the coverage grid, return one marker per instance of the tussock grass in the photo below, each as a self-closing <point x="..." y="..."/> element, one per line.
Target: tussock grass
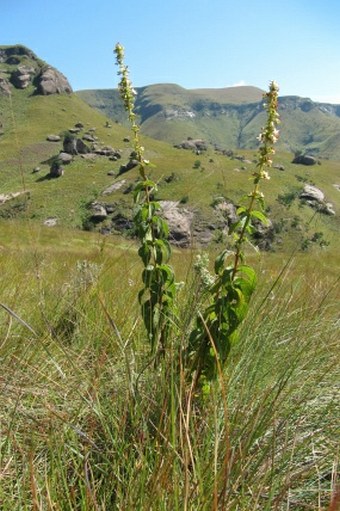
<point x="87" y="423"/>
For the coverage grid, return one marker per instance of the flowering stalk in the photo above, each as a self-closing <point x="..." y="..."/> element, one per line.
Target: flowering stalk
<point x="229" y="296"/>
<point x="157" y="295"/>
<point x="268" y="137"/>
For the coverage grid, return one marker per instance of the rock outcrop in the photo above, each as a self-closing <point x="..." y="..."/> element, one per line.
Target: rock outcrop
<point x="5" y="86"/>
<point x="23" y="69"/>
<point x="51" y="81"/>
<point x="315" y="198"/>
<point x="193" y="145"/>
<point x="179" y="221"/>
<point x="304" y="159"/>
<point x="22" y="76"/>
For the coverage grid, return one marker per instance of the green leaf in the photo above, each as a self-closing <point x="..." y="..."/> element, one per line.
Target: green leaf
<point x="260" y="216"/>
<point x="220" y="259"/>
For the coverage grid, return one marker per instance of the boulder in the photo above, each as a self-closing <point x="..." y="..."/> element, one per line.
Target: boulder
<point x="316" y="199"/>
<point x="5" y="197"/>
<point x="88" y="138"/>
<point x="81" y="147"/>
<point x="194" y="145"/>
<point x="113" y="188"/>
<point x="56" y="169"/>
<point x="304" y="159"/>
<point x="51" y="81"/>
<point x="228" y="210"/>
<point x="130" y="165"/>
<point x="73" y="145"/>
<point x="65" y="158"/>
<point x="5" y="86"/>
<point x="312" y="193"/>
<point x="22" y="76"/>
<point x="98" y="212"/>
<point x="327" y="209"/>
<point x="53" y="138"/>
<point x="179" y="221"/>
<point x="51" y="221"/>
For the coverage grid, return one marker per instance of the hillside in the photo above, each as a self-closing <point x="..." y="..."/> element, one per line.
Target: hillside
<point x="199" y="193"/>
<point x="229" y="117"/>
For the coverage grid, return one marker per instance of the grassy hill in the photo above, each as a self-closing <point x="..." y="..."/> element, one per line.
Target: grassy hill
<point x="28" y="120"/>
<point x="228" y="117"/>
<point x="196" y="183"/>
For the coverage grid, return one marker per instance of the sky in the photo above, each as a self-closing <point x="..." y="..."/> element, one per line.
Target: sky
<point x="194" y="43"/>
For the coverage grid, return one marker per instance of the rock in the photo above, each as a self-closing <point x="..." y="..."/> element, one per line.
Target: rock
<point x="51" y="81"/>
<point x="130" y="165"/>
<point x="35" y="170"/>
<point x="88" y="138"/>
<point x="194" y="145"/>
<point x="50" y="222"/>
<point x="53" y="138"/>
<point x="56" y="169"/>
<point x="73" y="145"/>
<point x="312" y="193"/>
<point x="121" y="223"/>
<point x="279" y="167"/>
<point x="65" y="158"/>
<point x="327" y="209"/>
<point x="21" y="77"/>
<point x="316" y="199"/>
<point x="126" y="139"/>
<point x="304" y="159"/>
<point x="337" y="187"/>
<point x="98" y="212"/>
<point x="81" y="147"/>
<point x="264" y="234"/>
<point x="228" y="210"/>
<point x="70" y="145"/>
<point x="5" y="197"/>
<point x="113" y="188"/>
<point x="179" y="221"/>
<point x="5" y="86"/>
<point x="79" y="125"/>
<point x="74" y="130"/>
<point x="109" y="208"/>
<point x="108" y="151"/>
<point x="89" y="156"/>
<point x="15" y="51"/>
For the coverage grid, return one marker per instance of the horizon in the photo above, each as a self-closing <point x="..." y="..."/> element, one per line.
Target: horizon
<point x="196" y="44"/>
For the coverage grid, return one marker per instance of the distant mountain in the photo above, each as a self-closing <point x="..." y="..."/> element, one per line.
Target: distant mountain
<point x="229" y="118"/>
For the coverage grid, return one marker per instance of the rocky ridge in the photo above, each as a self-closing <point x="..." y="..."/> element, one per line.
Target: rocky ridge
<point x="21" y="68"/>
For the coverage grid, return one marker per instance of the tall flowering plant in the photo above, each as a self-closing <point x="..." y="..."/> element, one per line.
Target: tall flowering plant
<point x="157" y="295"/>
<point x="216" y="328"/>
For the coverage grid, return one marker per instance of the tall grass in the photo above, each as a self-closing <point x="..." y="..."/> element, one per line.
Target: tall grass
<point x="87" y="424"/>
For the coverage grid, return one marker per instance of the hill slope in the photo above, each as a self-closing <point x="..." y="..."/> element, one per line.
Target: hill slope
<point x="197" y="190"/>
<point x="229" y="118"/>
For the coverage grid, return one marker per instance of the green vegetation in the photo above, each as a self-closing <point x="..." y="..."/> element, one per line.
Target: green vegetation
<point x="88" y="420"/>
<point x="87" y="424"/>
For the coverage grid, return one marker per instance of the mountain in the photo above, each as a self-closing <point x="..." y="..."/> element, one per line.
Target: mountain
<point x="229" y="118"/>
<point x="64" y="164"/>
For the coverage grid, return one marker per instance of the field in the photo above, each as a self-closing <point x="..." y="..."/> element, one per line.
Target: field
<point x="87" y="423"/>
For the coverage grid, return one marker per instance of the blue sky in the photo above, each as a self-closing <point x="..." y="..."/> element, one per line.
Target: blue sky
<point x="194" y="43"/>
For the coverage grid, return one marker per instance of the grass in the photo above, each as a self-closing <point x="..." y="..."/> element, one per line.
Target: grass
<point x="86" y="423"/>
